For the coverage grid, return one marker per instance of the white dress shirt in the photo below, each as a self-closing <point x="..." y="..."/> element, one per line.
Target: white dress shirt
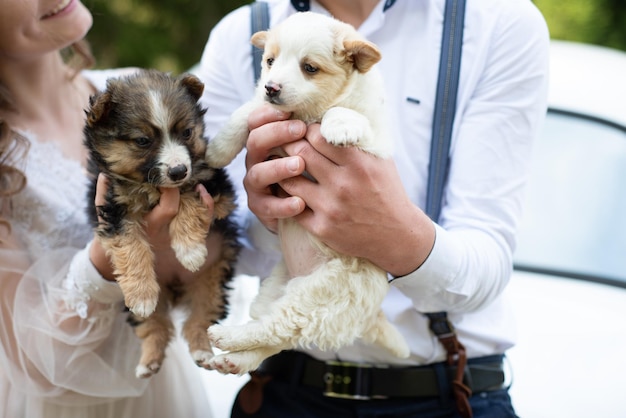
<point x="501" y="104"/>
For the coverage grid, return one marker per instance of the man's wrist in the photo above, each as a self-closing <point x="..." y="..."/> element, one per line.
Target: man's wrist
<point x="409" y="255"/>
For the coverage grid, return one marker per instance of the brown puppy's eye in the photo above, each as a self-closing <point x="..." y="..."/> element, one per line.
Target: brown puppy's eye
<point x="143" y="141"/>
<point x="310" y="69"/>
<point x="269" y="62"/>
<point x="186" y="134"/>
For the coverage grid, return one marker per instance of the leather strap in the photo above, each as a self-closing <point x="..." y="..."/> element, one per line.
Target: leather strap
<point x="250" y="396"/>
<point x="456" y="357"/>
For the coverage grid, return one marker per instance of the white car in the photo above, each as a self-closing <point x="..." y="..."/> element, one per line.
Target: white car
<point x="569" y="287"/>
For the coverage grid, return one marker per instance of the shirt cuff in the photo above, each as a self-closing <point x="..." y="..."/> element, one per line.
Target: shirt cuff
<point x="428" y="286"/>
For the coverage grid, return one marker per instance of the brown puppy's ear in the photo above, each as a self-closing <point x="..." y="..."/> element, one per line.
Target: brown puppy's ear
<point x="194" y="86"/>
<point x="362" y="54"/>
<point x="259" y="39"/>
<point x="99" y="107"/>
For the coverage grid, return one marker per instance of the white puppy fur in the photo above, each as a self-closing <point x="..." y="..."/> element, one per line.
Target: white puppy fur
<point x="321" y="70"/>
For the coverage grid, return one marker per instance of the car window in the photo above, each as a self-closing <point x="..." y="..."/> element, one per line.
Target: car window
<point x="574" y="220"/>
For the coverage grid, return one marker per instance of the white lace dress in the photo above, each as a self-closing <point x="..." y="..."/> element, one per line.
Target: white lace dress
<point x="65" y="348"/>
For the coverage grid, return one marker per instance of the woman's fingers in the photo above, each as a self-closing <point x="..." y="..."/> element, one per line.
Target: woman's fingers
<point x="166" y="209"/>
<point x="102" y="183"/>
<point x="206" y="198"/>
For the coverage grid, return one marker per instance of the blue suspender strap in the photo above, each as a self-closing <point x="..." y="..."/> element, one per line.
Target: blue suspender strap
<point x="259" y="20"/>
<point x="445" y="108"/>
<point x="445" y="104"/>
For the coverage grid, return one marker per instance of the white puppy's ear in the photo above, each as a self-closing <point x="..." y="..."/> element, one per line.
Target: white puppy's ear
<point x="362" y="54"/>
<point x="259" y="38"/>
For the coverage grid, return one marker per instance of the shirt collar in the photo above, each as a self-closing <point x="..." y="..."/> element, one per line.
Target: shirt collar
<point x="301" y="5"/>
<point x="305" y="5"/>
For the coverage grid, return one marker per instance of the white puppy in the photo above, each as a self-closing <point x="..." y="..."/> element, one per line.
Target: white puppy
<point x="321" y="70"/>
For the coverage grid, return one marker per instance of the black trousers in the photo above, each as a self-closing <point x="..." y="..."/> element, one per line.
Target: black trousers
<point x="279" y="395"/>
<point x="282" y="400"/>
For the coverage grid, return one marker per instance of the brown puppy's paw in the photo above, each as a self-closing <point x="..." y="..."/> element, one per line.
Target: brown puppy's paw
<point x="144" y="371"/>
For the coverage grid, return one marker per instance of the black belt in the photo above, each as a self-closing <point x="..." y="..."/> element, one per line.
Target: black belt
<point x="364" y="381"/>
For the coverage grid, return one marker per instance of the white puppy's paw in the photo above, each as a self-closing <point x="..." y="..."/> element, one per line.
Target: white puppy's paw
<point x="341" y="126"/>
<point x="239" y="362"/>
<point x="202" y="358"/>
<point x="192" y="258"/>
<point x="223" y="364"/>
<point x="236" y="337"/>
<point x="222" y="148"/>
<point x="218" y="159"/>
<point x="231" y="139"/>
<point x="224" y="338"/>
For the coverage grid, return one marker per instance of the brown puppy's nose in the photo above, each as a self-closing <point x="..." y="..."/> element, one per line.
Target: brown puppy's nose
<point x="272" y="89"/>
<point x="178" y="172"/>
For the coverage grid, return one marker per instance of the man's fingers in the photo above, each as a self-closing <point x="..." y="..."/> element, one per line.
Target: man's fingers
<point x="261" y="175"/>
<point x="269" y="209"/>
<point x="264" y="139"/>
<point x="265" y="114"/>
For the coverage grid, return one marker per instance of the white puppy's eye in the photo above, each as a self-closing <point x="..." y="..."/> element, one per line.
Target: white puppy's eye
<point x="310" y="69"/>
<point x="269" y="62"/>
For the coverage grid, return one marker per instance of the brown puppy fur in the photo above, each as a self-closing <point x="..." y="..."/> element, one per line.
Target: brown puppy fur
<point x="144" y="132"/>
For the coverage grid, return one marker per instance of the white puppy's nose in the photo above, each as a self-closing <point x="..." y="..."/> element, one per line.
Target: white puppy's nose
<point x="272" y="89"/>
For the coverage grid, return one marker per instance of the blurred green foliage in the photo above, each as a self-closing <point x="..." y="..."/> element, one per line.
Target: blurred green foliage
<point x="165" y="34"/>
<point x="599" y="22"/>
<point x="170" y="34"/>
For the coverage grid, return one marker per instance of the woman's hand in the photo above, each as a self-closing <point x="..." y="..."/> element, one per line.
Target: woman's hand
<point x="357" y="205"/>
<point x="167" y="266"/>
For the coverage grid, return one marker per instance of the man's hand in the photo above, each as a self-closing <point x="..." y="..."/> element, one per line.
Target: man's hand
<point x="357" y="205"/>
<point x="270" y="129"/>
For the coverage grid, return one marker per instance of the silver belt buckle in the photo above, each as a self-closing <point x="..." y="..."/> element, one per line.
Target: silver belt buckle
<point x="348" y="380"/>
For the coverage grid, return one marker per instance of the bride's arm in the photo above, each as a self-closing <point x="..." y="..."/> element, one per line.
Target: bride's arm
<point x="60" y="323"/>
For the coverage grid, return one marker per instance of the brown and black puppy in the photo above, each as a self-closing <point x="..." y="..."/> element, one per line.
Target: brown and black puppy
<point x="144" y="132"/>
